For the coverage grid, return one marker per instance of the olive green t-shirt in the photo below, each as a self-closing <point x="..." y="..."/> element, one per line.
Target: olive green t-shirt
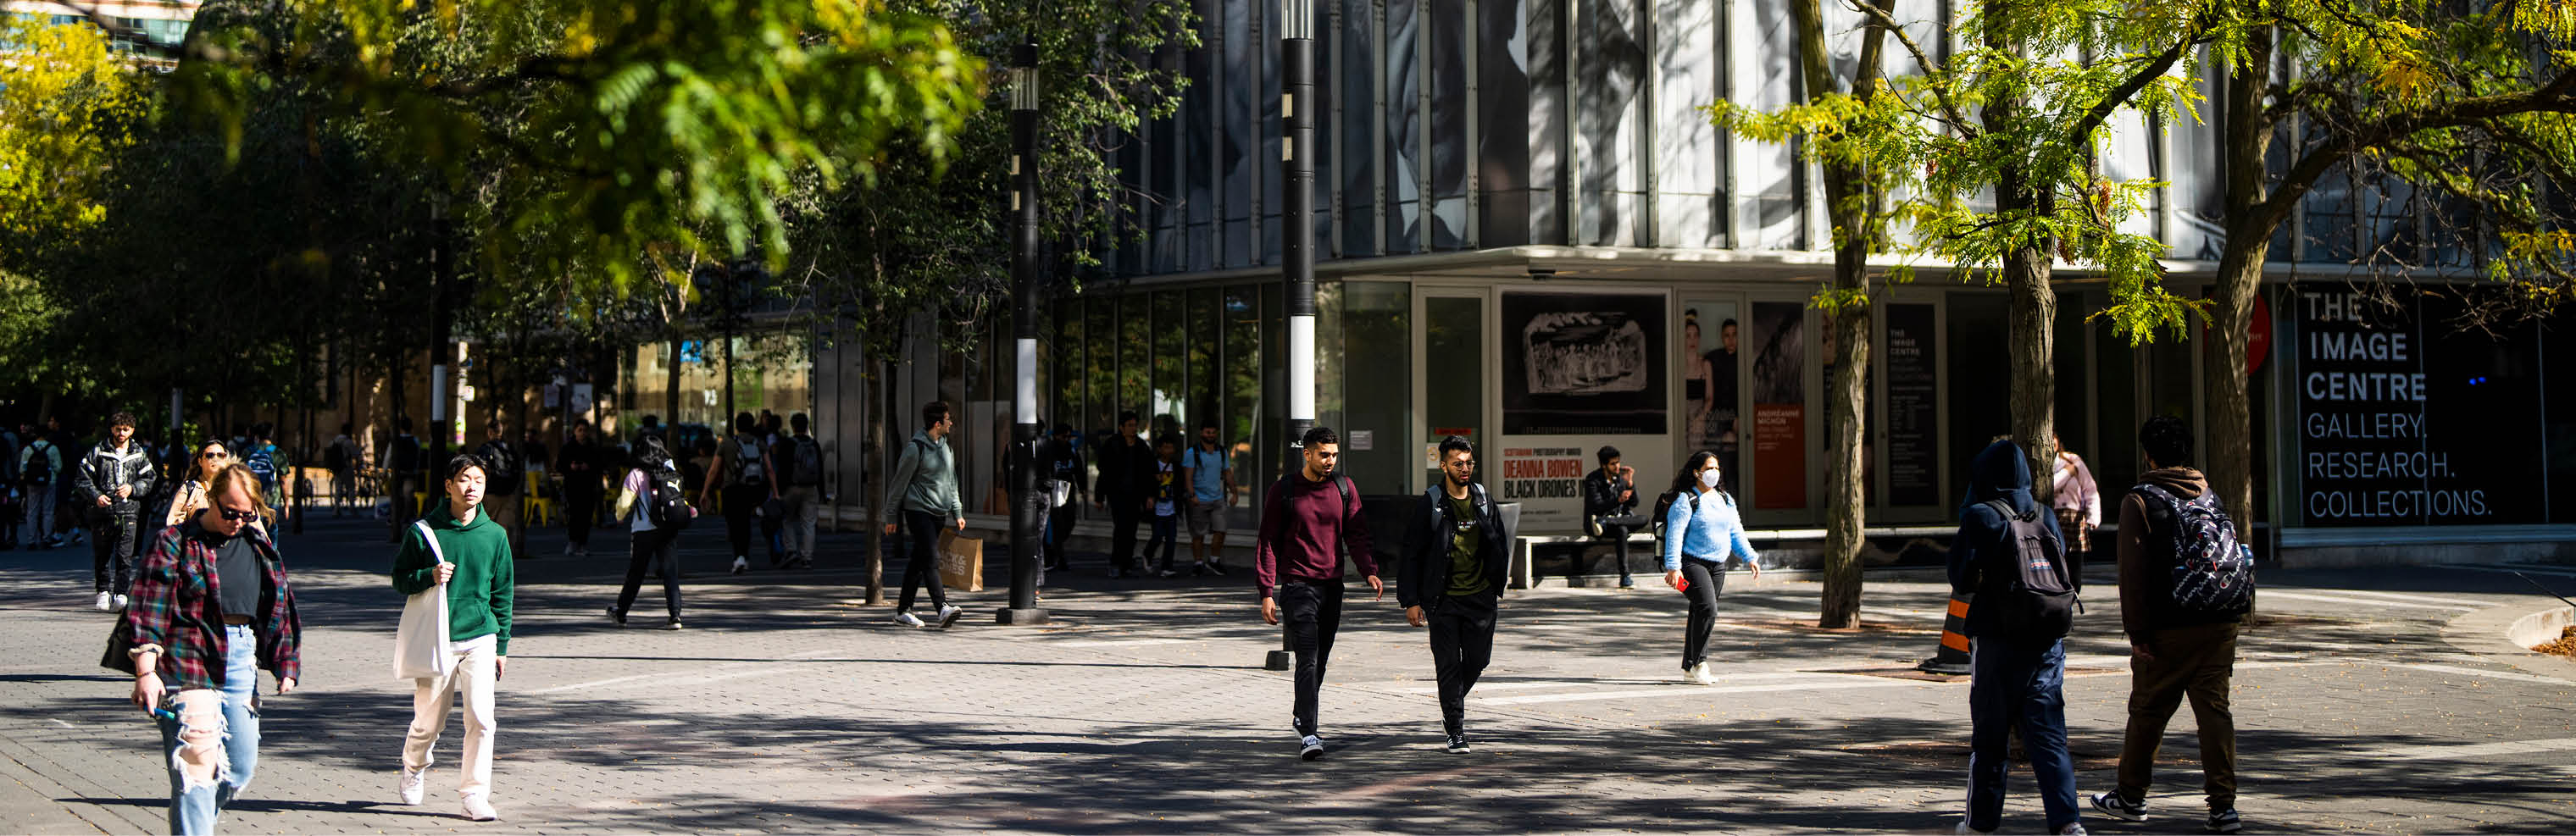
<point x="1466" y="570"/>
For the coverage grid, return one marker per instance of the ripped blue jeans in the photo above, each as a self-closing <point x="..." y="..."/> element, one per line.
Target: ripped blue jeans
<point x="213" y="744"/>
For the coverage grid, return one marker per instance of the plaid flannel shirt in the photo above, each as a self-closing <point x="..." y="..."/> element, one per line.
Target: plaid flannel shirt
<point x="176" y="610"/>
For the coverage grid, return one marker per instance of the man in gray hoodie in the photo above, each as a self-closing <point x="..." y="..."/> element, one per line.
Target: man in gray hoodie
<point x="2174" y="652"/>
<point x="923" y="490"/>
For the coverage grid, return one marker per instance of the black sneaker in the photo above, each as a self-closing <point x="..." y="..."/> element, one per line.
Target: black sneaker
<point x="2111" y="804"/>
<point x="2224" y="821"/>
<point x="619" y="617"/>
<point x="1458" y="743"/>
<point x="1310" y="747"/>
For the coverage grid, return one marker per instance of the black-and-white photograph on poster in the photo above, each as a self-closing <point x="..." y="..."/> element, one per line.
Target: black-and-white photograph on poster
<point x="1583" y="363"/>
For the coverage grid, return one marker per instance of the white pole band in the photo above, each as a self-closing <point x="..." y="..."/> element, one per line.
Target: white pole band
<point x="1301" y="368"/>
<point x="1026" y="410"/>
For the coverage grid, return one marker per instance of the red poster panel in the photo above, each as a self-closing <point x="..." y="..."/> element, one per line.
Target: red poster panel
<point x="1780" y="456"/>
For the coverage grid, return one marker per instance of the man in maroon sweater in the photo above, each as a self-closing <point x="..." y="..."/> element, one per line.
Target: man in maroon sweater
<point x="1308" y="516"/>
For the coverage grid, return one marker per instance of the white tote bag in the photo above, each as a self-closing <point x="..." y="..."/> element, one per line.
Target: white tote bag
<point x="420" y="644"/>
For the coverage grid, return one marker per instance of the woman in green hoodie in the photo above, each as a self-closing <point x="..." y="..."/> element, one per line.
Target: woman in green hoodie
<point x="460" y="548"/>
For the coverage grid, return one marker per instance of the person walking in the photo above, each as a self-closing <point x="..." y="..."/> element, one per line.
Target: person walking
<point x="1455" y="560"/>
<point x="655" y="499"/>
<point x="1166" y="504"/>
<point x="743" y="466"/>
<point x="193" y="494"/>
<point x="342" y="459"/>
<point x="1610" y="493"/>
<point x="504" y="473"/>
<point x="1126" y="489"/>
<point x="1063" y="463"/>
<point x="1210" y="474"/>
<point x="212" y="607"/>
<point x="2076" y="500"/>
<point x="923" y="491"/>
<point x="2017" y="668"/>
<point x="1702" y="530"/>
<point x="1310" y="515"/>
<point x="110" y="483"/>
<point x="773" y="517"/>
<point x="583" y="463"/>
<point x="40" y="465"/>
<point x="2181" y="644"/>
<point x="458" y="547"/>
<point x="402" y="458"/>
<point x="800" y="462"/>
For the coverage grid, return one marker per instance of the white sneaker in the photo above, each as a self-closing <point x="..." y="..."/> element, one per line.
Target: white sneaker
<point x="741" y="565"/>
<point x="948" y="615"/>
<point x="120" y="603"/>
<point x="567" y="549"/>
<point x="1702" y="675"/>
<point x="907" y="619"/>
<point x="106" y="602"/>
<point x="414" y="781"/>
<point x="478" y="807"/>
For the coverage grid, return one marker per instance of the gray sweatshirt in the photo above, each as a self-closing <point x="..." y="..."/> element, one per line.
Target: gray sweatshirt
<point x="925" y="480"/>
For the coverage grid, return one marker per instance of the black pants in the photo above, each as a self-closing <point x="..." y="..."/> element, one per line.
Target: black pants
<point x="1123" y="517"/>
<point x="1706" y="579"/>
<point x="580" y="506"/>
<point x="111" y="551"/>
<point x="652" y="549"/>
<point x="770" y="526"/>
<point x="1059" y="530"/>
<point x="739" y="502"/>
<point x="923" y="567"/>
<point x="1618" y="535"/>
<point x="404" y="508"/>
<point x="1462" y="642"/>
<point x="1312" y="611"/>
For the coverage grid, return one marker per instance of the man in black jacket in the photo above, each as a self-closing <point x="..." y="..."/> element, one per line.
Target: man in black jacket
<point x="1455" y="559"/>
<point x="109" y="485"/>
<point x="1062" y="462"/>
<point x="1611" y="492"/>
<point x="1126" y="488"/>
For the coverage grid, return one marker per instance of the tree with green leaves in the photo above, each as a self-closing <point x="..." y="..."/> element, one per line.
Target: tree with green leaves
<point x="68" y="107"/>
<point x="2472" y="104"/>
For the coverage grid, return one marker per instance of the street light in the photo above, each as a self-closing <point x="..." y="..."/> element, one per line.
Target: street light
<point x="1025" y="502"/>
<point x="1297" y="162"/>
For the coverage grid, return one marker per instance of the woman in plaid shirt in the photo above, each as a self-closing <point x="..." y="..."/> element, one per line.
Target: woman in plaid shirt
<point x="211" y="608"/>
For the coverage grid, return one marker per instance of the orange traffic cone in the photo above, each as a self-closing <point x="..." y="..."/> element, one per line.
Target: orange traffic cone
<point x="1952" y="659"/>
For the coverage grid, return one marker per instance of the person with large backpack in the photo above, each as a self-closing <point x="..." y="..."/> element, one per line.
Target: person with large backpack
<point x="1700" y="530"/>
<point x="2009" y="556"/>
<point x="744" y="468"/>
<point x="39" y="463"/>
<point x="2185" y="585"/>
<point x="656" y="499"/>
<point x="800" y="462"/>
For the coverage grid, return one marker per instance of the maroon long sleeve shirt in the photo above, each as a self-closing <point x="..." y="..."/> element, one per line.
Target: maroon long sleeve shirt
<point x="1301" y="524"/>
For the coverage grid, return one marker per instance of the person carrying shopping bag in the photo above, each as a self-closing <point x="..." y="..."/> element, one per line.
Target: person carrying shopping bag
<point x="457" y="549"/>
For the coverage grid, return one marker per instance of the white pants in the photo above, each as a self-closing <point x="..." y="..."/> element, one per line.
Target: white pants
<point x="473" y="675"/>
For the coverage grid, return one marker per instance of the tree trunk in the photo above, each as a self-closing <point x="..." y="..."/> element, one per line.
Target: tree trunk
<point x="671" y="386"/>
<point x="2034" y="358"/>
<point x="1849" y="203"/>
<point x="881" y="424"/>
<point x="2230" y="457"/>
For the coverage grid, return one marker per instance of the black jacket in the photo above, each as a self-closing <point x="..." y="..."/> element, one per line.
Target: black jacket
<point x="1062" y="461"/>
<point x="1126" y="470"/>
<point x="103" y="470"/>
<point x="1423" y="580"/>
<point x="1601" y="495"/>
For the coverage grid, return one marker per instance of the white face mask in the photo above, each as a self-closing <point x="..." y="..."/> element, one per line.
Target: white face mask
<point x="1708" y="479"/>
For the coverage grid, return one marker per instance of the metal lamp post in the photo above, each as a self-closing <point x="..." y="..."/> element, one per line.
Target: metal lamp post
<point x="1297" y="105"/>
<point x="1026" y="504"/>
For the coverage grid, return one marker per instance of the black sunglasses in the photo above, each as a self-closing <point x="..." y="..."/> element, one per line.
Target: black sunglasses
<point x="214" y="455"/>
<point x="238" y="516"/>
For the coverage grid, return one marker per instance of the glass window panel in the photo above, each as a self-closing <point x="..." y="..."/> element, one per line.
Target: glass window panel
<point x="1135" y="355"/>
<point x="1355" y="71"/>
<point x="1686" y="147"/>
<point x="1610" y="79"/>
<point x="1170" y="408"/>
<point x="1203" y="368"/>
<point x="1765" y="72"/>
<point x="1403" y="127"/>
<point x="1979" y="404"/>
<point x="1445" y="27"/>
<point x="1066" y="346"/>
<point x="1101" y="389"/>
<point x="1242" y="325"/>
<point x="1453" y="358"/>
<point x="1503" y="135"/>
<point x="1546" y="125"/>
<point x="1236" y="92"/>
<point x="1376" y="328"/>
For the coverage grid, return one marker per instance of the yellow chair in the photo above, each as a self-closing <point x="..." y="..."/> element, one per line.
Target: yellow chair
<point x="534" y="508"/>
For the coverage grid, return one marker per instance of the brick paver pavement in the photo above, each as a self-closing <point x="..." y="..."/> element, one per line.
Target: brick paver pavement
<point x="788" y="706"/>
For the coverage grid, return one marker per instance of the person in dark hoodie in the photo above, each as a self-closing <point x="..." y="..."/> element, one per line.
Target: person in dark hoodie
<point x="457" y="545"/>
<point x="2016" y="680"/>
<point x="1452" y="580"/>
<point x="2174" y="652"/>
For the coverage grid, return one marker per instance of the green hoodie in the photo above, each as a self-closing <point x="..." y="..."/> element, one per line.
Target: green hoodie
<point x="478" y="597"/>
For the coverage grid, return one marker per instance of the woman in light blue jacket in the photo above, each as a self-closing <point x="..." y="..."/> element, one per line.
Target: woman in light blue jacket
<point x="1701" y="531"/>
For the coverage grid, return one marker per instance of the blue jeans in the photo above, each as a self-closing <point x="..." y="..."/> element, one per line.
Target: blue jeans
<point x="2018" y="684"/>
<point x="225" y="730"/>
<point x="1167" y="534"/>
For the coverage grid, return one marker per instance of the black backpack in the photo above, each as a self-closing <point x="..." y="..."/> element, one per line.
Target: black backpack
<point x="1663" y="507"/>
<point x="2039" y="602"/>
<point x="502" y="473"/>
<point x="2212" y="573"/>
<point x="747" y="469"/>
<point x="667" y="502"/>
<point x="335" y="458"/>
<point x="40" y="467"/>
<point x="806" y="467"/>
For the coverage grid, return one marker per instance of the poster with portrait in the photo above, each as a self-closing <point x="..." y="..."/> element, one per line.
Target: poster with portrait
<point x="1712" y="361"/>
<point x="1583" y="363"/>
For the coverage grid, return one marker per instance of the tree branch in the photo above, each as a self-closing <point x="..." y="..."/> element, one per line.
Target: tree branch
<point x="2119" y="96"/>
<point x="2554" y="98"/>
<point x="1886" y="21"/>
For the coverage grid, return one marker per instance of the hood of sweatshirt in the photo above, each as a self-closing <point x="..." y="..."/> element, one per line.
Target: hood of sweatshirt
<point x="441" y="517"/>
<point x="2000" y="472"/>
<point x="2183" y="482"/>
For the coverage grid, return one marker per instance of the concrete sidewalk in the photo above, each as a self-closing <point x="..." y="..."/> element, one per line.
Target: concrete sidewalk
<point x="787" y="706"/>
